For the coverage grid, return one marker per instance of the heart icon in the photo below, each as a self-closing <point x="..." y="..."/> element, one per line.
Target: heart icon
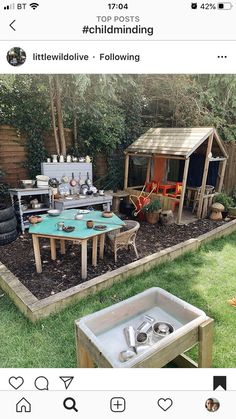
<point x="165" y="404"/>
<point x="16" y="382"/>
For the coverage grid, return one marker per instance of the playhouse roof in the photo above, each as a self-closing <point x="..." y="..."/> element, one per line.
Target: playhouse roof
<point x="180" y="142"/>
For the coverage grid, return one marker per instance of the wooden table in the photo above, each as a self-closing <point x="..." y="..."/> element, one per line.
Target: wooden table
<point x="88" y="201"/>
<point x="164" y="188"/>
<point x="48" y="229"/>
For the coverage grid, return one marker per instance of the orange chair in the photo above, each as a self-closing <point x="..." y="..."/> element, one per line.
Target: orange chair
<point x="177" y="193"/>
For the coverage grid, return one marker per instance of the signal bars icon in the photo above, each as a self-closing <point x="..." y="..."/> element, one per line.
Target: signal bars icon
<point x="9" y="7"/>
<point x="34" y="5"/>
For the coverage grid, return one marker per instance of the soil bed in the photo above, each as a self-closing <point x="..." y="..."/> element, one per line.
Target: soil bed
<point x="64" y="272"/>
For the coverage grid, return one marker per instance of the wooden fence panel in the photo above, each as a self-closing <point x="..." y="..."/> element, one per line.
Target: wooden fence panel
<point x="230" y="173"/>
<point x="13" y="153"/>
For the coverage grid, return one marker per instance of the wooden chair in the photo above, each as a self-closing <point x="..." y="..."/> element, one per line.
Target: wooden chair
<point x="208" y="191"/>
<point x="124" y="239"/>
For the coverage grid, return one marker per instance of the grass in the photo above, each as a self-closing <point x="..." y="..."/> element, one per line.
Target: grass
<point x="206" y="279"/>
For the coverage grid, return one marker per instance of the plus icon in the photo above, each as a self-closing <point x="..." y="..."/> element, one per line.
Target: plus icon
<point x="117" y="404"/>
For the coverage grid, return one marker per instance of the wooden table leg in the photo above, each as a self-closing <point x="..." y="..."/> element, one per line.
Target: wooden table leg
<point x="53" y="249"/>
<point x="205" y="344"/>
<point x="84" y="259"/>
<point x="102" y="244"/>
<point x="83" y="360"/>
<point x="63" y="247"/>
<point x="95" y="251"/>
<point x="37" y="255"/>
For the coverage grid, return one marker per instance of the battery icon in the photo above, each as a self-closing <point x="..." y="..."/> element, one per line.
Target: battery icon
<point x="226" y="5"/>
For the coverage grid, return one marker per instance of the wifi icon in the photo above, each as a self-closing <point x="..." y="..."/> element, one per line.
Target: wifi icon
<point x="34" y="5"/>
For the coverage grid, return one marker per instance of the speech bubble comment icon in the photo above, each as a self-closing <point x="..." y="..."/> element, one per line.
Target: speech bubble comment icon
<point x="41" y="383"/>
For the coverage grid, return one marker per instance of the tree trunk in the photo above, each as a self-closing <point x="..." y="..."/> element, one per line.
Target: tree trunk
<point x="59" y="116"/>
<point x="75" y="128"/>
<point x="51" y="92"/>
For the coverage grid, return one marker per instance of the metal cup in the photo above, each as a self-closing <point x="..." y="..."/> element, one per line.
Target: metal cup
<point x="129" y="333"/>
<point x="141" y="338"/>
<point x="60" y="225"/>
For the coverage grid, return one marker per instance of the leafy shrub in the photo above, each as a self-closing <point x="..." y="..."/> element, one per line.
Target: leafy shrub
<point x="225" y="200"/>
<point x="153" y="206"/>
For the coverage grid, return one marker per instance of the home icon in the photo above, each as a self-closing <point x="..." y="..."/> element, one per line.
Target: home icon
<point x="23" y="406"/>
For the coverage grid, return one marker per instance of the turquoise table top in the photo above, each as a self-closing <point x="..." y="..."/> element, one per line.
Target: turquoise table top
<point x="48" y="227"/>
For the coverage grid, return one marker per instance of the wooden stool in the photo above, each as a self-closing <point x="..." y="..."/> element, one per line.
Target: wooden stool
<point x="117" y="198"/>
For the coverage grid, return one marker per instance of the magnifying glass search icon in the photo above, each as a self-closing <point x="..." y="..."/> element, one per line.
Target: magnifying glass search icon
<point x="70" y="404"/>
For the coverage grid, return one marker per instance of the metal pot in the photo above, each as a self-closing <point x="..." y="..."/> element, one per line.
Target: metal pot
<point x="53" y="182"/>
<point x="37" y="205"/>
<point x="73" y="182"/>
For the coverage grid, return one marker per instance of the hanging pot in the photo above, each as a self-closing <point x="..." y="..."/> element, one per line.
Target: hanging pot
<point x="53" y="182"/>
<point x="88" y="180"/>
<point x="80" y="181"/>
<point x="73" y="182"/>
<point x="64" y="179"/>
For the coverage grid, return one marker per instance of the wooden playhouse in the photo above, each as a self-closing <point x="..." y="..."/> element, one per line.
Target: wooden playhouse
<point x="194" y="157"/>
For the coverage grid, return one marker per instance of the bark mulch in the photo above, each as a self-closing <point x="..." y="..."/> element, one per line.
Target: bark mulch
<point x="64" y="272"/>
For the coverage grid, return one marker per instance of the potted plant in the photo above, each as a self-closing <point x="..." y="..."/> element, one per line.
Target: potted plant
<point x="232" y="208"/>
<point x="226" y="201"/>
<point x="152" y="211"/>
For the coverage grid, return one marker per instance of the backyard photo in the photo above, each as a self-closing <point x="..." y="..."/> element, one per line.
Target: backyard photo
<point x="117" y="221"/>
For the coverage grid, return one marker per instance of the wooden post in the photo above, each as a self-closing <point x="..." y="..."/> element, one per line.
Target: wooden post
<point x="95" y="251"/>
<point x="181" y="202"/>
<point x="126" y="177"/>
<point x="205" y="344"/>
<point x="53" y="249"/>
<point x="83" y="358"/>
<point x="37" y="255"/>
<point x="102" y="244"/>
<point x="84" y="259"/>
<point x="222" y="175"/>
<point x="204" y="177"/>
<point x="63" y="247"/>
<point x="148" y="170"/>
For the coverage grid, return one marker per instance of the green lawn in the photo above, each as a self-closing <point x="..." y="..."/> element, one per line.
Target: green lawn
<point x="206" y="279"/>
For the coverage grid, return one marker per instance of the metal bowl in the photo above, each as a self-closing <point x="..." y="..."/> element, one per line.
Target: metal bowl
<point x="38" y="205"/>
<point x="54" y="212"/>
<point x="162" y="329"/>
<point x="28" y="183"/>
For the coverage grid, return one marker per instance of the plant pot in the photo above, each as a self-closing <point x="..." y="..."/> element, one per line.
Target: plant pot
<point x="232" y="211"/>
<point x="152" y="217"/>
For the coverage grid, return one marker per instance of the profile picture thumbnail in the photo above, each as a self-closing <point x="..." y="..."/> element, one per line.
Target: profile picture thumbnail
<point x="212" y="405"/>
<point x="16" y="56"/>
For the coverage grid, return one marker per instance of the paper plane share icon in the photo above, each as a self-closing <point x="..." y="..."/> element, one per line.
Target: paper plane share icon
<point x="67" y="381"/>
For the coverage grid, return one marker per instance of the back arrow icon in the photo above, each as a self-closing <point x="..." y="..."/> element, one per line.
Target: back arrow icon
<point x="12" y="24"/>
